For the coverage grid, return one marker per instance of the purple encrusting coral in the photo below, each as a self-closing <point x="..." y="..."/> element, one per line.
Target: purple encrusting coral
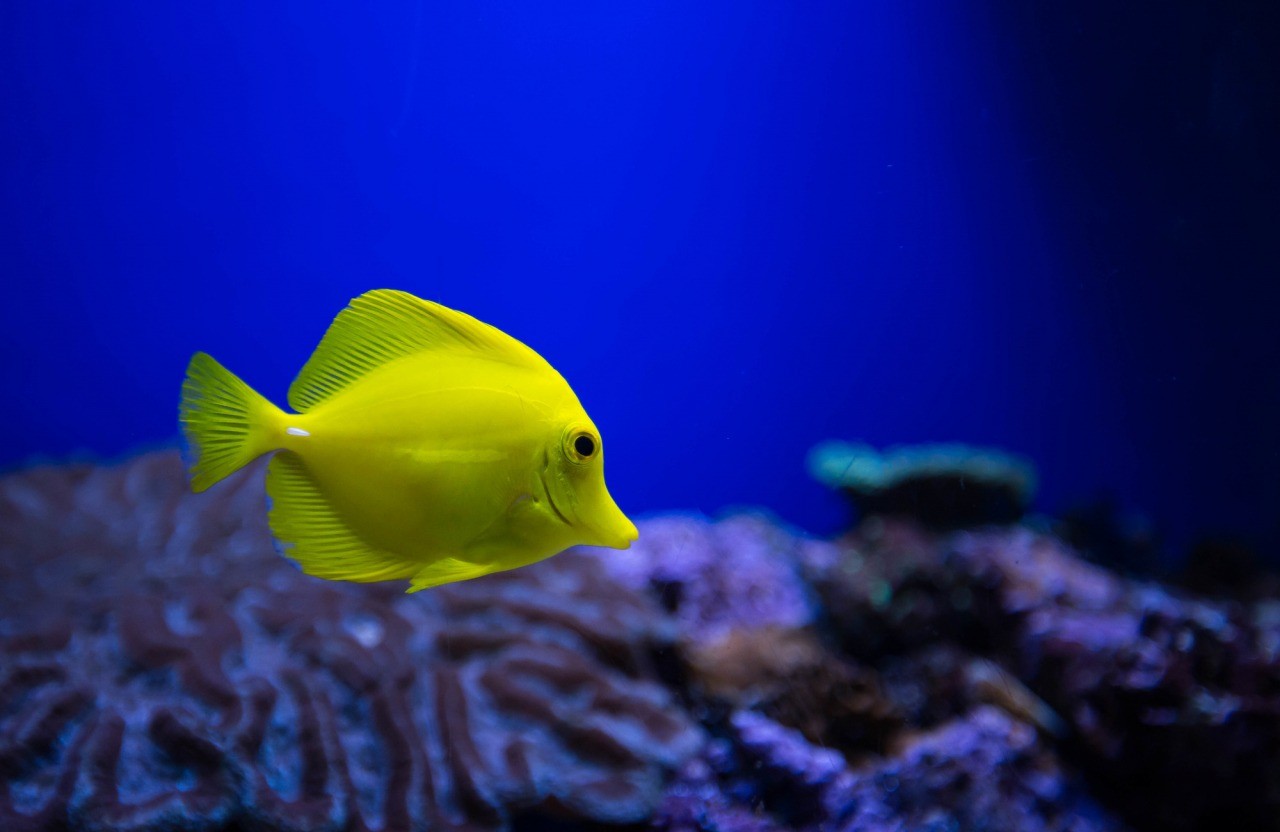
<point x="161" y="669"/>
<point x="1171" y="705"/>
<point x="748" y="639"/>
<point x="733" y="574"/>
<point x="985" y="771"/>
<point x="1176" y="700"/>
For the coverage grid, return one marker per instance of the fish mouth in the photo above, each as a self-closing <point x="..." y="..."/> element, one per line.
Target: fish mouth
<point x="624" y="539"/>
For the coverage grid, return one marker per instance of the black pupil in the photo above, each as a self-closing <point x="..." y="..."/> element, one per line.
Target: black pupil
<point x="584" y="445"/>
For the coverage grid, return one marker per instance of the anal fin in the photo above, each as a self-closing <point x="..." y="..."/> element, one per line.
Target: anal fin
<point x="311" y="532"/>
<point x="447" y="571"/>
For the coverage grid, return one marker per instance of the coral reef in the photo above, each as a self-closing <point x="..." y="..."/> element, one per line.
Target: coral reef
<point x="746" y="620"/>
<point x="892" y="590"/>
<point x="1102" y="531"/>
<point x="1170" y="705"/>
<point x="1176" y="701"/>
<point x="162" y="669"/>
<point x="791" y="677"/>
<point x="985" y="770"/>
<point x="811" y="737"/>
<point x="942" y="486"/>
<point x="697" y="802"/>
<point x="1225" y="567"/>
<point x="716" y="578"/>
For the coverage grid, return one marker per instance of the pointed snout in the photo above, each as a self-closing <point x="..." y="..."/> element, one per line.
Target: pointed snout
<point x="611" y="528"/>
<point x="630" y="534"/>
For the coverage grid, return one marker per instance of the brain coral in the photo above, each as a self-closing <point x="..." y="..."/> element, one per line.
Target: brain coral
<point x="161" y="669"/>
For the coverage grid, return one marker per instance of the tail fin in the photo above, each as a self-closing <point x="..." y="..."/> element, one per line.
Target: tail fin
<point x="226" y="424"/>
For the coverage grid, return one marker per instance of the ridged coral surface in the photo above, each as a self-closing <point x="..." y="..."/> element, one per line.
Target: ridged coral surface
<point x="161" y="669"/>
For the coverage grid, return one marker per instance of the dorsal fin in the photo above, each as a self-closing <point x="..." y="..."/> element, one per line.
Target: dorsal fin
<point x="380" y="326"/>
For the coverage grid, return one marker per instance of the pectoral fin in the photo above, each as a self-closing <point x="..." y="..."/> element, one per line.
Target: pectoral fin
<point x="310" y="531"/>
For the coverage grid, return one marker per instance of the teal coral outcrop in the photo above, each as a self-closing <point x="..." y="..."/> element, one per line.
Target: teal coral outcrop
<point x="944" y="486"/>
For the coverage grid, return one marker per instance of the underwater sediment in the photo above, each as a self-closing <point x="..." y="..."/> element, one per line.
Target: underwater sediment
<point x="162" y="668"/>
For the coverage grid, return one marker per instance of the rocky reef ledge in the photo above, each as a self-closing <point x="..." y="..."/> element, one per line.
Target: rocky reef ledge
<point x="161" y="668"/>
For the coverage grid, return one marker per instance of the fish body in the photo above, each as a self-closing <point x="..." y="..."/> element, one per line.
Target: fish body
<point x="427" y="445"/>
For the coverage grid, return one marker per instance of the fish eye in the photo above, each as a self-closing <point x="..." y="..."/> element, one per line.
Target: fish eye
<point x="581" y="446"/>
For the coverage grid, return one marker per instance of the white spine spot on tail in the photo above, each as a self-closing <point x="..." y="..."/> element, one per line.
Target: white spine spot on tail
<point x="297" y="432"/>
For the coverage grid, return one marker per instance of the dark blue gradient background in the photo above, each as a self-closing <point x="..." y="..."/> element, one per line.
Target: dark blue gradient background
<point x="737" y="228"/>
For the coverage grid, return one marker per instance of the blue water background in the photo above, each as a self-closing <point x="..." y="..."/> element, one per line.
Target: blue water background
<point x="736" y="228"/>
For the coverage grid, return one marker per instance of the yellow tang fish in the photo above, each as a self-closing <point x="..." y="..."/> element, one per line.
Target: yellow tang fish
<point x="427" y="445"/>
